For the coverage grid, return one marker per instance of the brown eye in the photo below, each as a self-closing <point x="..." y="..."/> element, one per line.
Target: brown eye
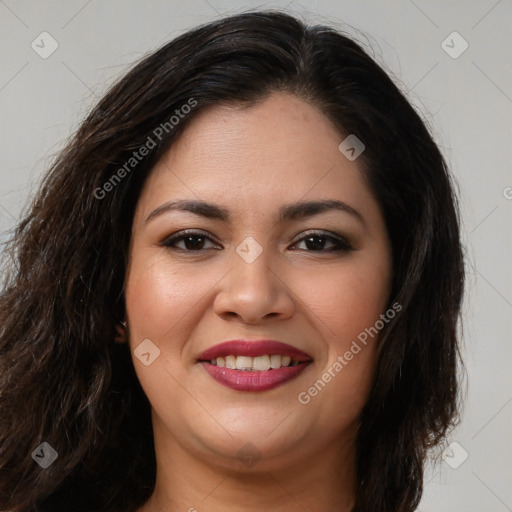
<point x="317" y="242"/>
<point x="191" y="241"/>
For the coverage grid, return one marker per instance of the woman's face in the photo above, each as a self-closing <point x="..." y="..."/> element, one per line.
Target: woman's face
<point x="255" y="265"/>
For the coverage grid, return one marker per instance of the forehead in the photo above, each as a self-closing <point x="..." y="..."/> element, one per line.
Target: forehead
<point x="280" y="150"/>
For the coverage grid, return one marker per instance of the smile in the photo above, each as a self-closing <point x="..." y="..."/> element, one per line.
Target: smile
<point x="261" y="365"/>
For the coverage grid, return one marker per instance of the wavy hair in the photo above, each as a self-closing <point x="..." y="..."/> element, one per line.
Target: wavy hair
<point x="64" y="380"/>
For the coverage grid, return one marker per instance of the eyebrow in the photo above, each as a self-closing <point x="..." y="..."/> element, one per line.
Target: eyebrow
<point x="288" y="212"/>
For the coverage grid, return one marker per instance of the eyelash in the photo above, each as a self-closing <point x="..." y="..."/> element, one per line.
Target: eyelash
<point x="342" y="245"/>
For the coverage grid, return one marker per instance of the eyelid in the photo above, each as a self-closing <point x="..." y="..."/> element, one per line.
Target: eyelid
<point x="323" y="232"/>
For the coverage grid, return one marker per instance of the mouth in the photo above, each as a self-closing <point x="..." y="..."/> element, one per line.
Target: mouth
<point x="261" y="365"/>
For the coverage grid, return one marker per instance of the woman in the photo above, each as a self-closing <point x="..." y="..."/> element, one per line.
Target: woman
<point x="238" y="288"/>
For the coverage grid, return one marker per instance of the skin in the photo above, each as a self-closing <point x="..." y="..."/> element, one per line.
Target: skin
<point x="252" y="161"/>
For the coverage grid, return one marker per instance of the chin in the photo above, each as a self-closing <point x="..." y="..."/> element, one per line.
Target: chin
<point x="261" y="445"/>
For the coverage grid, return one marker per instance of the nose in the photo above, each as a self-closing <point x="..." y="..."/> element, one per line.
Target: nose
<point x="254" y="292"/>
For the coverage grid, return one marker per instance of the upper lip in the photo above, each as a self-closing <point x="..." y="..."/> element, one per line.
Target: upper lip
<point x="253" y="348"/>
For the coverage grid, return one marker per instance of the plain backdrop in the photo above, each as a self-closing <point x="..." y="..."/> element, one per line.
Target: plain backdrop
<point x="465" y="94"/>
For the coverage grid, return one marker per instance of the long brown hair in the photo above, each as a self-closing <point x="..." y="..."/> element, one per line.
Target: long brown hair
<point x="64" y="381"/>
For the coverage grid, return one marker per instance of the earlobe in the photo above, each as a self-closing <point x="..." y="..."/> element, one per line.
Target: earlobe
<point x="121" y="333"/>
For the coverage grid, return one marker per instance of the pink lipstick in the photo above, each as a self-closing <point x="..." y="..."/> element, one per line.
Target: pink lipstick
<point x="253" y="365"/>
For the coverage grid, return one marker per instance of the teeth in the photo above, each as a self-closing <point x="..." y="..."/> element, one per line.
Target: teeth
<point x="259" y="363"/>
<point x="275" y="361"/>
<point x="243" y="363"/>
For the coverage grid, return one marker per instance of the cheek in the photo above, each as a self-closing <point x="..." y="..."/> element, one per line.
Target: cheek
<point x="347" y="303"/>
<point x="159" y="296"/>
<point x="346" y="300"/>
<point x="166" y="301"/>
<point x="162" y="302"/>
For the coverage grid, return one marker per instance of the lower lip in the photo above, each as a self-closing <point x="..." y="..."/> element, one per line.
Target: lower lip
<point x="246" y="380"/>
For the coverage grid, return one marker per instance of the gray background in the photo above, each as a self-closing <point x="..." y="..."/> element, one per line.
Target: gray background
<point x="468" y="104"/>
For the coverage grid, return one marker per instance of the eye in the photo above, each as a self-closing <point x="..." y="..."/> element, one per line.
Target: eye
<point x="192" y="241"/>
<point x="316" y="241"/>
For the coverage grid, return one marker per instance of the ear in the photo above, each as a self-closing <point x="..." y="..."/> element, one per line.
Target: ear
<point x="121" y="333"/>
